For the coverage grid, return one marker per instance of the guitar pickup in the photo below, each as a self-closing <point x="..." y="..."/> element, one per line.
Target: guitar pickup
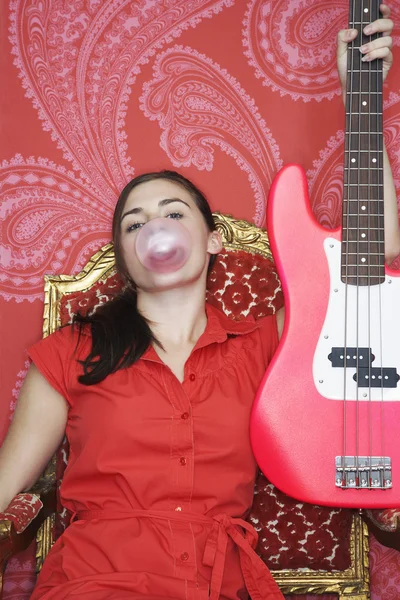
<point x="339" y="355"/>
<point x="377" y="377"/>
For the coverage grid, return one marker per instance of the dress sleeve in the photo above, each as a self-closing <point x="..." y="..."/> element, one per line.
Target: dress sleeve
<point x="269" y="337"/>
<point x="54" y="357"/>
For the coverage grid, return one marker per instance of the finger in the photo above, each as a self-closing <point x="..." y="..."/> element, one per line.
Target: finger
<point x="343" y="38"/>
<point x="384" y="42"/>
<point x="385" y="11"/>
<point x="384" y="26"/>
<point x="384" y="53"/>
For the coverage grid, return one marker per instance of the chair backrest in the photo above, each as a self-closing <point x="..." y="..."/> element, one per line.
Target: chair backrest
<point x="327" y="544"/>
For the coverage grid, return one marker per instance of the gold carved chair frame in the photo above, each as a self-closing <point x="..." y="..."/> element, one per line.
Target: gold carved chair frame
<point x="351" y="584"/>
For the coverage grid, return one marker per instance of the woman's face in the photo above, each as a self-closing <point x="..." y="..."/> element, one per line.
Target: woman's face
<point x="164" y="198"/>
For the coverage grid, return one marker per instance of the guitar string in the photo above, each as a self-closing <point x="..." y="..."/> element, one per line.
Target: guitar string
<point x="357" y="415"/>
<point x="381" y="230"/>
<point x="374" y="143"/>
<point x="372" y="13"/>
<point x="376" y="168"/>
<point x="345" y="227"/>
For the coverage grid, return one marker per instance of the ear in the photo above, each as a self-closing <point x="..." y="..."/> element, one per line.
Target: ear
<point x="214" y="242"/>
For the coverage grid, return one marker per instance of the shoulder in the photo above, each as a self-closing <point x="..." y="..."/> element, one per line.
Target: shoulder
<point x="64" y="341"/>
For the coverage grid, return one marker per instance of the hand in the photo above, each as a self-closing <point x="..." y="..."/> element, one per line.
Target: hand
<point x="379" y="48"/>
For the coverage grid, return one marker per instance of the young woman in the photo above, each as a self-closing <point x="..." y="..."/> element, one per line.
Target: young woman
<point x="155" y="392"/>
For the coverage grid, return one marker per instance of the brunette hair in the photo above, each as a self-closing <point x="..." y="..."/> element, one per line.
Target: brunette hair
<point x="120" y="334"/>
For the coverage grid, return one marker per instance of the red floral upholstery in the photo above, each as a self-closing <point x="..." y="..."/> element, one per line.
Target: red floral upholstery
<point x="22" y="510"/>
<point x="388" y="520"/>
<point x="291" y="534"/>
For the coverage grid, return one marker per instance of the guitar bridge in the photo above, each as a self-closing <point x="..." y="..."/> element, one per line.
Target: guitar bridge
<point x="363" y="472"/>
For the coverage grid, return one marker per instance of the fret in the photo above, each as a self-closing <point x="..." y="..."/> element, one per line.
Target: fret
<point x="365" y="122"/>
<point x="356" y="141"/>
<point x="363" y="193"/>
<point x="361" y="248"/>
<point x="363" y="241"/>
<point x="361" y="253"/>
<point x="370" y="276"/>
<point x="363" y="266"/>
<point x="363" y="176"/>
<point x="361" y="222"/>
<point x="357" y="204"/>
<point x="363" y="212"/>
<point x="363" y="217"/>
<point x="379" y="151"/>
<point x="370" y="184"/>
<point x="366" y="93"/>
<point x="369" y="228"/>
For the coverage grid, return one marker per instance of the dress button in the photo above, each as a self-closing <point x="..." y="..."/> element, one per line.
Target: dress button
<point x="178" y="508"/>
<point x="185" y="415"/>
<point x="192" y="377"/>
<point x="182" y="460"/>
<point x="184" y="556"/>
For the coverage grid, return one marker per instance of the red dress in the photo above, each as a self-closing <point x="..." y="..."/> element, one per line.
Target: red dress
<point x="161" y="473"/>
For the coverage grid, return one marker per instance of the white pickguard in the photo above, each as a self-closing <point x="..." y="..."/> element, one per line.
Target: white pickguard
<point x="372" y="321"/>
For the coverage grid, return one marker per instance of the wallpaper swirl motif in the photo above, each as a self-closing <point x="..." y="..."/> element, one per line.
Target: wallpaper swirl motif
<point x="200" y="106"/>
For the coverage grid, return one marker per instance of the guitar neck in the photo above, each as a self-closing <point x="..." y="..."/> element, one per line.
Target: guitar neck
<point x="363" y="251"/>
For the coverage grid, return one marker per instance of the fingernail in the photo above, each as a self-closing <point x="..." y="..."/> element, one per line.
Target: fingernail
<point x="367" y="30"/>
<point x="363" y="49"/>
<point x="366" y="59"/>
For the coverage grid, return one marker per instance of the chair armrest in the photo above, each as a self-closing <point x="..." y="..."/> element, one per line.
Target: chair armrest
<point x="385" y="526"/>
<point x="21" y="520"/>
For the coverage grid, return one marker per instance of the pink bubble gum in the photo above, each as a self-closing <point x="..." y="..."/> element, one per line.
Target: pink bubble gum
<point x="163" y="245"/>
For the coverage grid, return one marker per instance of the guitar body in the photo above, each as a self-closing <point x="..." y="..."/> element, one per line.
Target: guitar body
<point x="314" y="404"/>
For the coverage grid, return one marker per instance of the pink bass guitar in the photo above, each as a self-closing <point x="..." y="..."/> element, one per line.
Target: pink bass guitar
<point x="325" y="427"/>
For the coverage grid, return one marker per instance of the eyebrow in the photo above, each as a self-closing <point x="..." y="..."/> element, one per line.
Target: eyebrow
<point x="138" y="209"/>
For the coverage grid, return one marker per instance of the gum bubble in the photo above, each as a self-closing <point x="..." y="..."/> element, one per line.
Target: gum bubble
<point x="163" y="245"/>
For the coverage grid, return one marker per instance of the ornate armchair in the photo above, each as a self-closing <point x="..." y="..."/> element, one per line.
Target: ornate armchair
<point x="309" y="549"/>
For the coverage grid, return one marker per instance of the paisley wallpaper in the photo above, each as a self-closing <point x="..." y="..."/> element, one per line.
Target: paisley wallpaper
<point x="94" y="92"/>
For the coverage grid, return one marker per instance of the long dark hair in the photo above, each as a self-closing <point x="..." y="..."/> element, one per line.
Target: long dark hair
<point x="120" y="334"/>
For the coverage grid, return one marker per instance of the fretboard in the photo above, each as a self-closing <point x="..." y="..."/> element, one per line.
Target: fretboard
<point x="363" y="252"/>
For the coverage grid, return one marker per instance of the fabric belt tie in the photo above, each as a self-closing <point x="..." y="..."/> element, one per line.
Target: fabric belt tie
<point x="258" y="579"/>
